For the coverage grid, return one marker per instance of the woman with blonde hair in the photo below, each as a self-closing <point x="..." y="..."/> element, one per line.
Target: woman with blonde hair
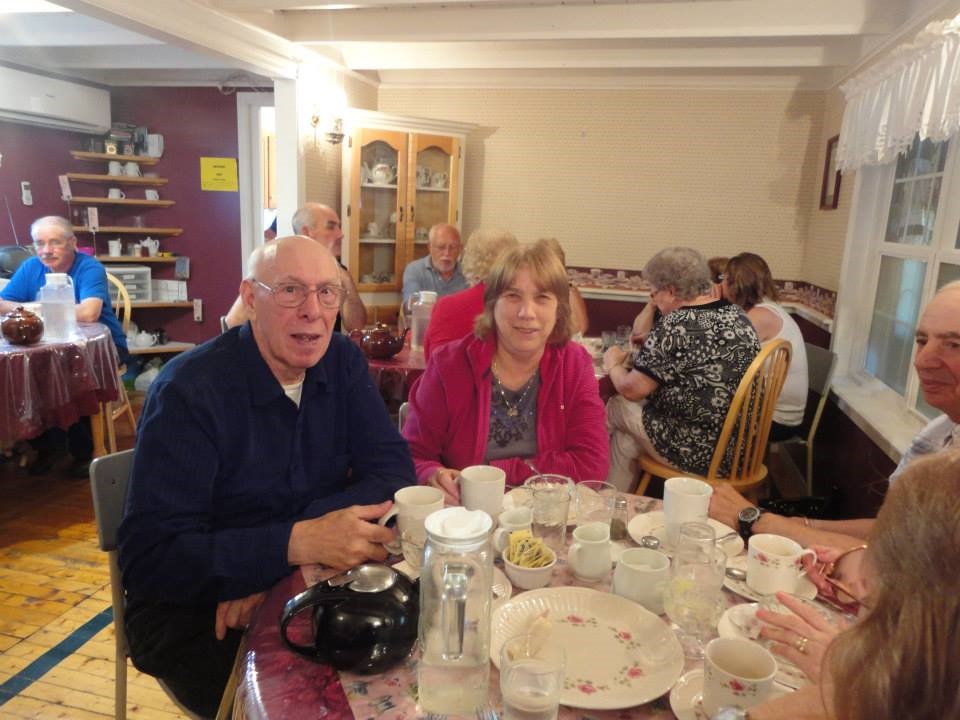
<point x="899" y="660"/>
<point x="748" y="283"/>
<point x="515" y="394"/>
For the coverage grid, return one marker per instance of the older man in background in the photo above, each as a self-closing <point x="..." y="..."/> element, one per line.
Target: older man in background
<point x="439" y="271"/>
<point x="56" y="248"/>
<point x="261" y="450"/>
<point x="319" y="222"/>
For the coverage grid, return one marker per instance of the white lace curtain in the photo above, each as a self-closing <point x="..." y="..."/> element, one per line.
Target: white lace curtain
<point x="915" y="90"/>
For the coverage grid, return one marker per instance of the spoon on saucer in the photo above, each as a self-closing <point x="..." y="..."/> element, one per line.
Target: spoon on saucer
<point x="736" y="573"/>
<point x="650" y="541"/>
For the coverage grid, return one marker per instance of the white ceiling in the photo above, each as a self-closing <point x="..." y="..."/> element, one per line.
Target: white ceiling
<point x="536" y="43"/>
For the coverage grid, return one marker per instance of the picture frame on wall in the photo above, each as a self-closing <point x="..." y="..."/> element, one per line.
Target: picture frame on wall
<point x="830" y="189"/>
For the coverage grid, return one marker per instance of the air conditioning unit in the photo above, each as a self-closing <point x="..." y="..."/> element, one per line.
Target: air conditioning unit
<point x="39" y="100"/>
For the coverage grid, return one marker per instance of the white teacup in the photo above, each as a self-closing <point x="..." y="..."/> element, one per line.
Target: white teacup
<point x="481" y="488"/>
<point x="589" y="557"/>
<point x="684" y="500"/>
<point x="640" y="576"/>
<point x="115" y="168"/>
<point x="131" y="169"/>
<point x="411" y="506"/>
<point x="116" y="194"/>
<point x="115" y="248"/>
<point x="775" y="563"/>
<point x="518" y="518"/>
<point x="736" y="673"/>
<point x="151" y="194"/>
<point x="438" y="180"/>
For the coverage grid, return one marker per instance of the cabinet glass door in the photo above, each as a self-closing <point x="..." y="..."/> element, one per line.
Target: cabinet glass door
<point x="379" y="227"/>
<point x="434" y="177"/>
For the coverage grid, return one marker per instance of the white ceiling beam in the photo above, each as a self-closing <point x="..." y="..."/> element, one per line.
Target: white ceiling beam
<point x="724" y="18"/>
<point x="434" y="56"/>
<point x="194" y="27"/>
<point x="63" y="29"/>
<point x="120" y="56"/>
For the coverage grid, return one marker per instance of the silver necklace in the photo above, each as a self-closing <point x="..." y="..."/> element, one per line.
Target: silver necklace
<point x="512" y="410"/>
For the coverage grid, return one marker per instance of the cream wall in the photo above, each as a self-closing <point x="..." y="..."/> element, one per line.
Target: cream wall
<point x="823" y="253"/>
<point x="617" y="175"/>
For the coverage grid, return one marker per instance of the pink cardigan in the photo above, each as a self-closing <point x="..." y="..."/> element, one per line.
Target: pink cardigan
<point x="449" y="417"/>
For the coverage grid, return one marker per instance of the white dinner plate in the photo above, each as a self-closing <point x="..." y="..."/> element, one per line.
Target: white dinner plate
<point x="618" y="654"/>
<point x="687" y="694"/>
<point x="654" y="523"/>
<point x="805" y="589"/>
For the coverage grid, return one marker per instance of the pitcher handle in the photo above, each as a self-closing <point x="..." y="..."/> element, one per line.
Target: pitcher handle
<point x="453" y="608"/>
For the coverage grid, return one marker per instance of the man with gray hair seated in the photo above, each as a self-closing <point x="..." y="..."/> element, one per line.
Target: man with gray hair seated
<point x="672" y="403"/>
<point x="439" y="271"/>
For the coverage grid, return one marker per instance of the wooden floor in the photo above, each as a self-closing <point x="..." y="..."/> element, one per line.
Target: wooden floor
<point x="53" y="579"/>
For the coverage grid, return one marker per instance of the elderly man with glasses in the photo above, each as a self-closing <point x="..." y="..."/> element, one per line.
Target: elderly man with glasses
<point x="56" y="252"/>
<point x="262" y="449"/>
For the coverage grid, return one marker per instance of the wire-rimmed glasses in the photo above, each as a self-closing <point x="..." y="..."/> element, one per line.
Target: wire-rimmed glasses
<point x="293" y="295"/>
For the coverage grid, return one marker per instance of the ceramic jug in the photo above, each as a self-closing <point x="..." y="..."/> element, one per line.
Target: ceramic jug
<point x="152" y="245"/>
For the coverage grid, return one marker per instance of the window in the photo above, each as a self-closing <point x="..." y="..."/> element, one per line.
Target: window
<point x="914" y="249"/>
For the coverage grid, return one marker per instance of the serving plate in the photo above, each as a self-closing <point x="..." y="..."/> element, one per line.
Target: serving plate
<point x="617" y="653"/>
<point x="654" y="523"/>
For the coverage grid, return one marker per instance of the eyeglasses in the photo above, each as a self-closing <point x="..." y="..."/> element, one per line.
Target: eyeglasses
<point x="293" y="295"/>
<point x="41" y="244"/>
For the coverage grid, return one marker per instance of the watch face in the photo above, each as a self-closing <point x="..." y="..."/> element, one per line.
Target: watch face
<point x="749" y="514"/>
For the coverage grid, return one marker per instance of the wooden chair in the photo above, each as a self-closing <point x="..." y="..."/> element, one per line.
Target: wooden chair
<point x="121" y="407"/>
<point x="109" y="479"/>
<point x="402" y="414"/>
<point x="820" y="364"/>
<point x="746" y="428"/>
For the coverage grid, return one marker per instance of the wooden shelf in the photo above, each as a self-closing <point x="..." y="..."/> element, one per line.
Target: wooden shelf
<point x="134" y="259"/>
<point x="130" y="230"/>
<point x="167" y="349"/>
<point x="379" y="186"/>
<point x="116" y="179"/>
<point x="142" y="159"/>
<point x="129" y="202"/>
<point x="144" y="304"/>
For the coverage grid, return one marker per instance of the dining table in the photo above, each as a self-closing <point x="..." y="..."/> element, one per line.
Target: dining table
<point x="54" y="383"/>
<point x="393" y="376"/>
<point x="275" y="683"/>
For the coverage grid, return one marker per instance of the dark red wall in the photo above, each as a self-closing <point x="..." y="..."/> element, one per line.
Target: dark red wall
<point x="195" y="123"/>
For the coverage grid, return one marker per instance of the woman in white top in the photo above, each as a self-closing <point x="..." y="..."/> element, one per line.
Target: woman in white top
<point x="748" y="283"/>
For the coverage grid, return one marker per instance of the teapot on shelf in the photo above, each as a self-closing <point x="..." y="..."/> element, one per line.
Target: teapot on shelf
<point x="378" y="342"/>
<point x="151" y="245"/>
<point x="364" y="620"/>
<point x="381" y="173"/>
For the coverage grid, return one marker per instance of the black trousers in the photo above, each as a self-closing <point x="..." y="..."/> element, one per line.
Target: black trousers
<point x="178" y="645"/>
<point x="779" y="433"/>
<point x="78" y="439"/>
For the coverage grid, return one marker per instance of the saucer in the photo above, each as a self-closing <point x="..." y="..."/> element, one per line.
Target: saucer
<point x="686" y="695"/>
<point x="805" y="589"/>
<point x="788" y="675"/>
<point x="654" y="523"/>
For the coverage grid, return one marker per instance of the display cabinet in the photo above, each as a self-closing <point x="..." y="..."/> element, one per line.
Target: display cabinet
<point x="401" y="177"/>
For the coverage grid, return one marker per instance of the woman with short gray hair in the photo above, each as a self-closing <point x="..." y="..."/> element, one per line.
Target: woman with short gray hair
<point x="673" y="401"/>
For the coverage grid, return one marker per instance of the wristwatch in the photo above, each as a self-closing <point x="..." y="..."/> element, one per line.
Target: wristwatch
<point x="745" y="520"/>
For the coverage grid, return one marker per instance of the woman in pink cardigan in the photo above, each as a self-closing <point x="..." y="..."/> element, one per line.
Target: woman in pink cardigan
<point x="515" y="394"/>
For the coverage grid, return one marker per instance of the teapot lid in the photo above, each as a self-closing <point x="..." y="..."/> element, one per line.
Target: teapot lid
<point x="459" y="525"/>
<point x="57" y="279"/>
<point x="366" y="578"/>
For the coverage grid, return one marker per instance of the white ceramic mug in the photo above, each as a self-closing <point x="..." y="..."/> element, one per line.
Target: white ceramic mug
<point x="684" y="500"/>
<point x="133" y="248"/>
<point x="151" y="194"/>
<point x="116" y="194"/>
<point x="411" y="506"/>
<point x="518" y="518"/>
<point x="589" y="557"/>
<point x="640" y="576"/>
<point x="115" y="247"/>
<point x="775" y="563"/>
<point x="481" y="488"/>
<point x="131" y="169"/>
<point x="115" y="168"/>
<point x="736" y="673"/>
<point x="154" y="145"/>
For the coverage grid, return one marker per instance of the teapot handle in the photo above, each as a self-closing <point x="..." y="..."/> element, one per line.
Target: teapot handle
<point x="318" y="594"/>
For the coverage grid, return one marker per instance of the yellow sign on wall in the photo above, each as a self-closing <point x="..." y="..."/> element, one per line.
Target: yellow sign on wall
<point x="219" y="174"/>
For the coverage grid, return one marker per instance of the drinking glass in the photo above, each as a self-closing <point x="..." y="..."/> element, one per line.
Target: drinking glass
<point x="531" y="677"/>
<point x="594" y="500"/>
<point x="551" y="505"/>
<point x="693" y="597"/>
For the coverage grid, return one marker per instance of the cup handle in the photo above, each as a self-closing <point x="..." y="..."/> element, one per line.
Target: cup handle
<point x="500" y="538"/>
<point x="573" y="552"/>
<point x="806" y="552"/>
<point x="394" y="547"/>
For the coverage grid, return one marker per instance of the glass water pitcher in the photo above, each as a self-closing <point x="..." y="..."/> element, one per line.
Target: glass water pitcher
<point x="455" y="593"/>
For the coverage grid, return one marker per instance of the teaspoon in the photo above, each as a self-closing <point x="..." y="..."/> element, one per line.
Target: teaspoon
<point x="650" y="541"/>
<point x="736" y="573"/>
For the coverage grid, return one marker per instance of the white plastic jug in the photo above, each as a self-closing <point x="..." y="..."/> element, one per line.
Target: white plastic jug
<point x="59" y="307"/>
<point x="420" y="312"/>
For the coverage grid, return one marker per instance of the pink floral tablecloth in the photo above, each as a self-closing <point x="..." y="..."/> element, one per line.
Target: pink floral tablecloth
<point x="278" y="684"/>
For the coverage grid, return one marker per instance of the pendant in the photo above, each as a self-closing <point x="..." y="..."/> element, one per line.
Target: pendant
<point x="512" y="411"/>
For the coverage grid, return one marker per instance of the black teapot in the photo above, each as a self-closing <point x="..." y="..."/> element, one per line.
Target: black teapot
<point x="364" y="620"/>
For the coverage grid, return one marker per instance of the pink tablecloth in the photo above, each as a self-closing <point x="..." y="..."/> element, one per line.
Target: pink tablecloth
<point x="53" y="384"/>
<point x="394" y="377"/>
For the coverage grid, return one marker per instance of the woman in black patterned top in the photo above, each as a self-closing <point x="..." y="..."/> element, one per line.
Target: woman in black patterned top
<point x="673" y="402"/>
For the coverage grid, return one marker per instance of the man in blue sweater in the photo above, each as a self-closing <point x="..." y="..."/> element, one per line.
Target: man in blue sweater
<point x="261" y="450"/>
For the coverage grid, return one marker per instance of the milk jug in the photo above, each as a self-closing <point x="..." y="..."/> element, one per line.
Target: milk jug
<point x="420" y="312"/>
<point x="453" y="673"/>
<point x="59" y="307"/>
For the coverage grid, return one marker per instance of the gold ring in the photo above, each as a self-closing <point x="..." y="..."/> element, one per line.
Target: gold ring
<point x="800" y="644"/>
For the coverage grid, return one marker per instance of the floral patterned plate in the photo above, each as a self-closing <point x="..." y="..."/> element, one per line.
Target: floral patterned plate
<point x="617" y="653"/>
<point x="654" y="523"/>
